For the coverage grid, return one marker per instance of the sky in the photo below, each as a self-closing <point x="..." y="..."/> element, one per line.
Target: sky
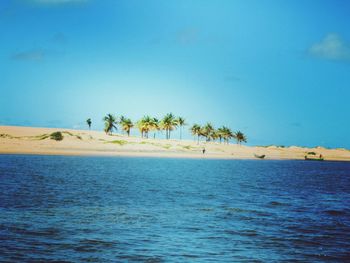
<point x="279" y="71"/>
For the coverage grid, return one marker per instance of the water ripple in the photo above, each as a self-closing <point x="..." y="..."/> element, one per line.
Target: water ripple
<point x="86" y="209"/>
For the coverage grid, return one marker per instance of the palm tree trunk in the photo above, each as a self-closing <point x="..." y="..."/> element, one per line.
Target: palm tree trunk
<point x="181" y="133"/>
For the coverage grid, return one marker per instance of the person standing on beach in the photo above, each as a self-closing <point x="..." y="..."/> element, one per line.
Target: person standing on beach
<point x="203" y="150"/>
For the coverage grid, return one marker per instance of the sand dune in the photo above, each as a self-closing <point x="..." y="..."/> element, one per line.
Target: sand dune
<point x="30" y="140"/>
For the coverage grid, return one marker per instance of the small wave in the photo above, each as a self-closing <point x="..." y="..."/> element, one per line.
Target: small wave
<point x="206" y="209"/>
<point x="247" y="233"/>
<point x="85" y="249"/>
<point x="140" y="258"/>
<point x="240" y="210"/>
<point x="236" y="209"/>
<point x="193" y="229"/>
<point x="93" y="245"/>
<point x="335" y="212"/>
<point x="275" y="203"/>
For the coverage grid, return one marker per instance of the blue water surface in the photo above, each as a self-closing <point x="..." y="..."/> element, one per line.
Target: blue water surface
<point x="106" y="209"/>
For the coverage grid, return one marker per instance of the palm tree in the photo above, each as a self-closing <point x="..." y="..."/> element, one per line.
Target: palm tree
<point x="155" y="126"/>
<point x="110" y="123"/>
<point x="145" y="125"/>
<point x="224" y="133"/>
<point x="181" y="122"/>
<point x="140" y="126"/>
<point x="168" y="123"/>
<point x="228" y="134"/>
<point x="207" y="131"/>
<point x="213" y="135"/>
<point x="240" y="137"/>
<point x="89" y="122"/>
<point x="126" y="124"/>
<point x="196" y="131"/>
<point x="220" y="132"/>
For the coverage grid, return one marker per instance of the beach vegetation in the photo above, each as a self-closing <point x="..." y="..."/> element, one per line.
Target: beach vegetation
<point x="8" y="136"/>
<point x="155" y="126"/>
<point x="167" y="146"/>
<point x="228" y="134"/>
<point x="311" y="153"/>
<point x="145" y="125"/>
<point x="89" y="122"/>
<point x="196" y="131"/>
<point x="240" y="137"/>
<point x="126" y="124"/>
<point x="208" y="132"/>
<point x="119" y="142"/>
<point x="168" y="123"/>
<point x="57" y="136"/>
<point x="181" y="123"/>
<point x="110" y="123"/>
<point x="73" y="135"/>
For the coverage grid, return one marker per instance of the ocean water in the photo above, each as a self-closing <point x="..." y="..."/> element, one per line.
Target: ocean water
<point x="104" y="209"/>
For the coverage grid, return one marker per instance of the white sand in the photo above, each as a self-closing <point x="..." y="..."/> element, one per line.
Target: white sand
<point x="29" y="140"/>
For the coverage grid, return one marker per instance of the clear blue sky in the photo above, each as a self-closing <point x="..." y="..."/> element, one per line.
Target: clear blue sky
<point x="277" y="70"/>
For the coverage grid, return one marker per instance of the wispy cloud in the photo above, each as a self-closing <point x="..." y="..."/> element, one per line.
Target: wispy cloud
<point x="59" y="38"/>
<point x="231" y="78"/>
<point x="296" y="124"/>
<point x="30" y="55"/>
<point x="187" y="36"/>
<point x="331" y="47"/>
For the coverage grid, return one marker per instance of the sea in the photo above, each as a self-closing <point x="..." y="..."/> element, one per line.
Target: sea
<point x="122" y="209"/>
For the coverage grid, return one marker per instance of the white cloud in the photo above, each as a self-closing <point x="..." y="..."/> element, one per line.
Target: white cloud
<point x="331" y="47"/>
<point x="30" y="55"/>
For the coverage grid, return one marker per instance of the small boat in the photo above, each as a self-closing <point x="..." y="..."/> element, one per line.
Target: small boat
<point x="314" y="159"/>
<point x="259" y="156"/>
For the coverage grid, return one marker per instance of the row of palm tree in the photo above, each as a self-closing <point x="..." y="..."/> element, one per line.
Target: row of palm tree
<point x="169" y="123"/>
<point x="211" y="134"/>
<point x="147" y="124"/>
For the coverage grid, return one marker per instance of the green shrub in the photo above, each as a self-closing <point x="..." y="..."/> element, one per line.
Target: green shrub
<point x="57" y="136"/>
<point x="167" y="146"/>
<point x="42" y="136"/>
<point x="120" y="142"/>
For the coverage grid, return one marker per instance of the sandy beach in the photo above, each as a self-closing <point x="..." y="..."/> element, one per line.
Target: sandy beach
<point x="30" y="140"/>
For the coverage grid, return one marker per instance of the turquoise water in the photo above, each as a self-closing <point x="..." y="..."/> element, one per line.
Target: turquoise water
<point x="94" y="209"/>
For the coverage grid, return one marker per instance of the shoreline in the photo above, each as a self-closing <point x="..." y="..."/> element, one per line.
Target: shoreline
<point x="36" y="141"/>
<point x="126" y="155"/>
